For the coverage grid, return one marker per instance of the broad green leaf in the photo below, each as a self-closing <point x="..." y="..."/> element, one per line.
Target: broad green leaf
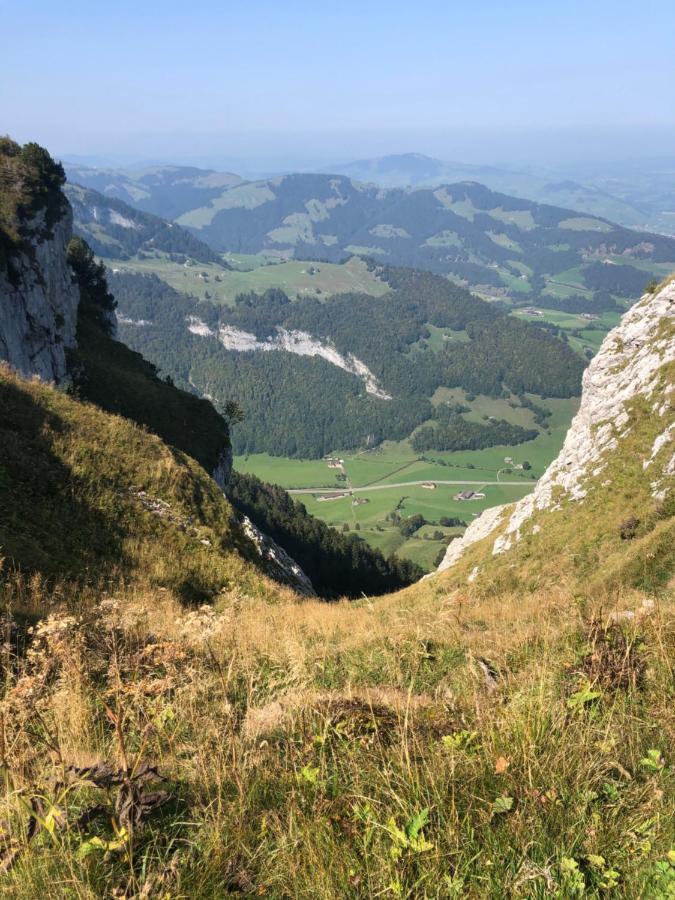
<point x="583" y="697"/>
<point x="502" y="804"/>
<point x="460" y="740"/>
<point x="416" y="824"/>
<point x="97" y="843"/>
<point x="653" y="760"/>
<point x="51" y="819"/>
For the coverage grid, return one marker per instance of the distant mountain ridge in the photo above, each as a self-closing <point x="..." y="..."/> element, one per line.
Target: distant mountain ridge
<point x="115" y="230"/>
<point x="165" y="191"/>
<point x="636" y="200"/>
<point x="477" y="236"/>
<point x="633" y="195"/>
<point x="411" y="169"/>
<point x="482" y="238"/>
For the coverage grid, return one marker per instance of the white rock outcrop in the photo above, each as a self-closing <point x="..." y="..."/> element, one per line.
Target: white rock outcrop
<point x="626" y="366"/>
<point x="299" y="342"/>
<point x="38" y="305"/>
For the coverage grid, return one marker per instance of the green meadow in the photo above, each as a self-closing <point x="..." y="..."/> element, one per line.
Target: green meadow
<point x="390" y="468"/>
<point x="208" y="281"/>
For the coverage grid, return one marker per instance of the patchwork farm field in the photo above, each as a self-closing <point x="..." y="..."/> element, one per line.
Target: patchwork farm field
<point x="582" y="333"/>
<point x="377" y="483"/>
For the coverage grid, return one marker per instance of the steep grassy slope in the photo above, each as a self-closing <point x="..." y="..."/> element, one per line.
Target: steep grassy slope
<point x="501" y="737"/>
<point x="120" y="381"/>
<point x="93" y="499"/>
<point x="608" y="498"/>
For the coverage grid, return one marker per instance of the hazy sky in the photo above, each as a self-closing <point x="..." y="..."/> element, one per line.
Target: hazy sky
<point x="528" y="80"/>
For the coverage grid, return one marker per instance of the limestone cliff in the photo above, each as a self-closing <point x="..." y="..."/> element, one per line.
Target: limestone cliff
<point x="627" y="389"/>
<point x="39" y="302"/>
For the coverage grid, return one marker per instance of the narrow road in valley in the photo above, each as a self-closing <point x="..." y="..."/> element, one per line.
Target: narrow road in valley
<point x="402" y="484"/>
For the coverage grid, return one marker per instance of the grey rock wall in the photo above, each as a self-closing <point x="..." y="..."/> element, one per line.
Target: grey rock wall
<point x="38" y="306"/>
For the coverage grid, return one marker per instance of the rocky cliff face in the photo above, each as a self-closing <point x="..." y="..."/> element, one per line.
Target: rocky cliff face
<point x="38" y="304"/>
<point x="278" y="564"/>
<point x="223" y="470"/>
<point x="629" y="371"/>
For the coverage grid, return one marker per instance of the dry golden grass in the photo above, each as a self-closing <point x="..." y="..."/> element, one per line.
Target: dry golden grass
<point x="304" y="744"/>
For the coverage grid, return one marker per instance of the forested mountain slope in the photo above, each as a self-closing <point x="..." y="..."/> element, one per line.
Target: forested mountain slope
<point x="464" y="230"/>
<point x="116" y="230"/>
<point x="313" y="377"/>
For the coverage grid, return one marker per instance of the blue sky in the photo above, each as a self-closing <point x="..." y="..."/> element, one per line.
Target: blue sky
<point x="482" y="79"/>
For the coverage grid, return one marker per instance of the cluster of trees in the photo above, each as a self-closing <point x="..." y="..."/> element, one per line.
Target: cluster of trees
<point x="96" y="301"/>
<point x="624" y="281"/>
<point x="459" y="434"/>
<point x="30" y="182"/>
<point x="446" y="411"/>
<point x="338" y="565"/>
<point x="541" y="413"/>
<point x="410" y="524"/>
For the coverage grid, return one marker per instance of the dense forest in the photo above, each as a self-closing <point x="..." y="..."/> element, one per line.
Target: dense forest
<point x="339" y="565"/>
<point x="384" y="332"/>
<point x="305" y="406"/>
<point x="622" y="280"/>
<point x="600" y="301"/>
<point x="458" y="434"/>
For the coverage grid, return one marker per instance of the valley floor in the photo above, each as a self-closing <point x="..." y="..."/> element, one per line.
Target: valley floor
<point x="397" y="472"/>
